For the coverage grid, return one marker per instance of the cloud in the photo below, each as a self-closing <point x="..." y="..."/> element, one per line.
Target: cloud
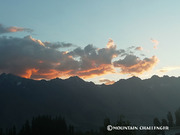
<point x="142" y="54"/>
<point x="93" y="61"/>
<point x="170" y="68"/>
<point x="32" y="58"/>
<point x="110" y="43"/>
<point x="106" y="81"/>
<point x="11" y="29"/>
<point x="25" y="56"/>
<point x="95" y="56"/>
<point x="155" y="42"/>
<point x="58" y="45"/>
<point x="139" y="48"/>
<point x="131" y="47"/>
<point x="132" y="64"/>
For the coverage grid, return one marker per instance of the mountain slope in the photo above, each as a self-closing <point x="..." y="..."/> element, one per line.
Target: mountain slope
<point x="85" y="104"/>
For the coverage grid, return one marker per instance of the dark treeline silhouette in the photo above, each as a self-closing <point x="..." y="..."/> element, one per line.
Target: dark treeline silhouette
<point x="166" y="122"/>
<point x="170" y="121"/>
<point x="42" y="125"/>
<point x="46" y="125"/>
<point x="177" y="115"/>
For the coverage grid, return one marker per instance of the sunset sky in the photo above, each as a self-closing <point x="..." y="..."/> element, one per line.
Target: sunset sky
<point x="100" y="41"/>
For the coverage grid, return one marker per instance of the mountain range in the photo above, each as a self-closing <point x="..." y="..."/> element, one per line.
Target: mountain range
<point x="84" y="104"/>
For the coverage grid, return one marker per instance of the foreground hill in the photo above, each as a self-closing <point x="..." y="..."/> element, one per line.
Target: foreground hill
<point x="85" y="104"/>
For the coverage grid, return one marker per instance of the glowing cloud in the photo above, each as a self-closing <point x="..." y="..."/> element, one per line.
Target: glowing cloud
<point x="106" y="81"/>
<point x="110" y="44"/>
<point x="35" y="40"/>
<point x="29" y="72"/>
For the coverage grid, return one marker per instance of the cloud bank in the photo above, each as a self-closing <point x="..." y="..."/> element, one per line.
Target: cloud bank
<point x="35" y="59"/>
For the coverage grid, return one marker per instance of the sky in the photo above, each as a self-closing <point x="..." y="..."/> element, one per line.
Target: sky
<point x="100" y="41"/>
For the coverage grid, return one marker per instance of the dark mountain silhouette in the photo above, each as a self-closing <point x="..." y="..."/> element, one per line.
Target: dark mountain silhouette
<point x="85" y="104"/>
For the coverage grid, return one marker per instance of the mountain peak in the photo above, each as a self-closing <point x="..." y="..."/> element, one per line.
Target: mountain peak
<point x="75" y="78"/>
<point x="155" y="77"/>
<point x="134" y="78"/>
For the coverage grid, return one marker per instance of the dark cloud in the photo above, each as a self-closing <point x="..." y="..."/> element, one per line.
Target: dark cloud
<point x="25" y="56"/>
<point x="131" y="47"/>
<point x="92" y="57"/>
<point x="58" y="45"/>
<point x="142" y="54"/>
<point x="128" y="61"/>
<point x="132" y="64"/>
<point x="11" y="29"/>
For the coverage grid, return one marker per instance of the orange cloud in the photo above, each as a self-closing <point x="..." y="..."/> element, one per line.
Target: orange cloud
<point x="52" y="73"/>
<point x="28" y="73"/>
<point x="100" y="70"/>
<point x="106" y="81"/>
<point x="48" y="74"/>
